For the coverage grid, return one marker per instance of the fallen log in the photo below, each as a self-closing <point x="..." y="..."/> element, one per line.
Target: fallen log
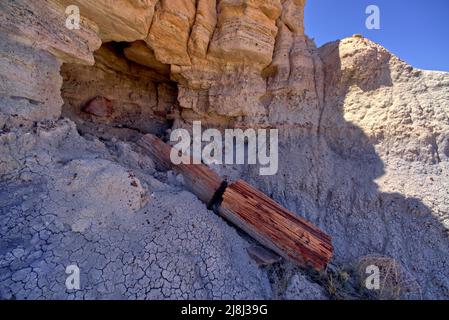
<point x="275" y="227"/>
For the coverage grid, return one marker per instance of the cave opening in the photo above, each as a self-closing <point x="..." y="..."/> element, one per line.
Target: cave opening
<point x="126" y="93"/>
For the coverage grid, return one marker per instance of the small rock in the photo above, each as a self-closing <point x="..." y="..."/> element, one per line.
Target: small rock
<point x="18" y="253"/>
<point x="25" y="177"/>
<point x="100" y="107"/>
<point x="262" y="256"/>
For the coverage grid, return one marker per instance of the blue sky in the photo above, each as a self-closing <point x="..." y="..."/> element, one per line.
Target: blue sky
<point x="416" y="31"/>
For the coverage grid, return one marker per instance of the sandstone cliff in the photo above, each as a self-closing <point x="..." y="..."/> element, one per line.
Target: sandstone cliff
<point x="364" y="144"/>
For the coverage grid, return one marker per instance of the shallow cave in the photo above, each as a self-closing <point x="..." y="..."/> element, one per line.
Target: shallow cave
<point x="126" y="93"/>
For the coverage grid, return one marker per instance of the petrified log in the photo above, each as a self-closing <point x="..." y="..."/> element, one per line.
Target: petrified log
<point x="158" y="150"/>
<point x="198" y="178"/>
<point x="280" y="230"/>
<point x="275" y="227"/>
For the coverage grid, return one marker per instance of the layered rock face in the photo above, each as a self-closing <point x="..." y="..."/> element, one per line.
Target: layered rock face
<point x="232" y="72"/>
<point x="364" y="145"/>
<point x="32" y="53"/>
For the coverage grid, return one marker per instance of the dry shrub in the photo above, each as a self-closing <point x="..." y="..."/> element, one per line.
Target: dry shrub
<point x="396" y="283"/>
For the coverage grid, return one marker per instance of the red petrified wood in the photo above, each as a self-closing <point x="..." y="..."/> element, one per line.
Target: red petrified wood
<point x="275" y="227"/>
<point x="282" y="231"/>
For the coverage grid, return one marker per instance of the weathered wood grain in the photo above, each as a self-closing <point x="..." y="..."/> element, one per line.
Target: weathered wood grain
<point x="275" y="227"/>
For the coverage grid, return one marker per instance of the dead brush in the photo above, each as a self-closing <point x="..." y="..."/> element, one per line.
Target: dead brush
<point x="395" y="282"/>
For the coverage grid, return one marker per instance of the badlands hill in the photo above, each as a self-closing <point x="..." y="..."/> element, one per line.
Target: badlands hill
<point x="364" y="152"/>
